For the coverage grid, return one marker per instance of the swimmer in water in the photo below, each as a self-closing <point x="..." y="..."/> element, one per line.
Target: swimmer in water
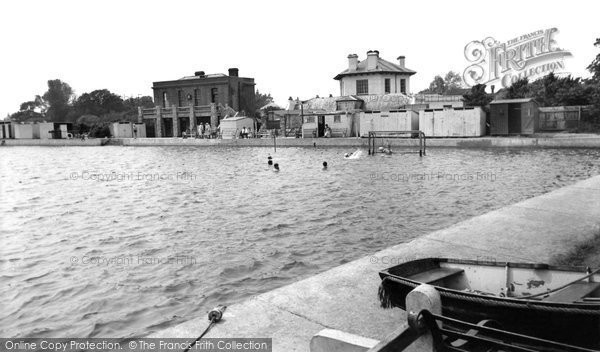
<point x="276" y="166"/>
<point x="324" y="165"/>
<point x="386" y="151"/>
<point x="270" y="162"/>
<point x="353" y="155"/>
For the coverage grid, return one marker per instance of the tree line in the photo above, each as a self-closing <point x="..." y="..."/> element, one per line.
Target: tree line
<point x="90" y="112"/>
<point x="551" y="90"/>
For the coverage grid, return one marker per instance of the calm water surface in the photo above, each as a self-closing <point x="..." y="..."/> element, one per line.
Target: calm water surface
<point x="121" y="242"/>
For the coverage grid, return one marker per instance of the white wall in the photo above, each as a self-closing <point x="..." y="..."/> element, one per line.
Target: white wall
<point x="141" y="130"/>
<point x="376" y="83"/>
<point x="121" y="130"/>
<point x="22" y="131"/>
<point x="388" y="121"/>
<point x="230" y="126"/>
<point x="5" y="130"/>
<point x="440" y="104"/>
<point x="42" y="130"/>
<point x="469" y="122"/>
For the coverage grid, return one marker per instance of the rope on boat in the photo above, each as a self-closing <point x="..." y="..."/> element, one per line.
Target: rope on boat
<point x="563" y="286"/>
<point x="386" y="300"/>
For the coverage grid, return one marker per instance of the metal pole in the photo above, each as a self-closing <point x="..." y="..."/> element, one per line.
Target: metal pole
<point x="274" y="143"/>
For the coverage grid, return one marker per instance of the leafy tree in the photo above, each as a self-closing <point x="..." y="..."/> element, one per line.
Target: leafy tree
<point x="593" y="87"/>
<point x="261" y="100"/>
<point x="437" y="86"/>
<point x="519" y="89"/>
<point x="551" y="90"/>
<point x="37" y="103"/>
<point x="99" y="102"/>
<point x="27" y="111"/>
<point x="453" y="80"/>
<point x="58" y="98"/>
<point x="443" y="85"/>
<point x="594" y="67"/>
<point x="477" y="96"/>
<point x="27" y="116"/>
<point x="132" y="104"/>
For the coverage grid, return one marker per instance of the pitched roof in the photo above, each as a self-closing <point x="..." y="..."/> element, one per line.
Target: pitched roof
<point x="384" y="102"/>
<point x="383" y="66"/>
<point x="513" y="101"/>
<point x="348" y="98"/>
<point x="320" y="104"/>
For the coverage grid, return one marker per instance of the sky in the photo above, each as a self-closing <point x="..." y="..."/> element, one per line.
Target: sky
<point x="290" y="48"/>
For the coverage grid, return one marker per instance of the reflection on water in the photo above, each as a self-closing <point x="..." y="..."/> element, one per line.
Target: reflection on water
<point x="118" y="241"/>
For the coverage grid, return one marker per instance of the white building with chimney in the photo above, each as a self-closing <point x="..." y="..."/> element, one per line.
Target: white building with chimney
<point x="374" y="76"/>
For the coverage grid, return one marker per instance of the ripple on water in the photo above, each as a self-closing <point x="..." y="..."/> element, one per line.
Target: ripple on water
<point x="235" y="231"/>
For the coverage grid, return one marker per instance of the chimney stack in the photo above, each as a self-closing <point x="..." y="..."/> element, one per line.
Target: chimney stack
<point x="233" y="72"/>
<point x="401" y="61"/>
<point x="291" y="104"/>
<point x="372" y="56"/>
<point x="352" y="62"/>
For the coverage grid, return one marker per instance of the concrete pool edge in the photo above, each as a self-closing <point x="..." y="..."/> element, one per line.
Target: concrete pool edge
<point x="557" y="141"/>
<point x="345" y="297"/>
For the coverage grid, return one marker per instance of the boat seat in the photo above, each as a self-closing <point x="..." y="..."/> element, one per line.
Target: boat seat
<point x="573" y="293"/>
<point x="436" y="274"/>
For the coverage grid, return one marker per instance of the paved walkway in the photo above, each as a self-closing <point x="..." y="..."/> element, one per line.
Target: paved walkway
<point x="557" y="141"/>
<point x="345" y="297"/>
<point x="561" y="140"/>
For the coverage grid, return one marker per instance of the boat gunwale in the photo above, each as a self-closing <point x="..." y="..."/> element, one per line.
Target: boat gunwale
<point x="529" y="303"/>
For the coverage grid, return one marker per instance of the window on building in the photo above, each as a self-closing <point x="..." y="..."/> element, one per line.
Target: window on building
<point x="310" y="119"/>
<point x="337" y="118"/>
<point x="214" y="95"/>
<point x="196" y="97"/>
<point x="403" y="86"/>
<point x="387" y="86"/>
<point x="165" y="100"/>
<point x="362" y="87"/>
<point x="179" y="98"/>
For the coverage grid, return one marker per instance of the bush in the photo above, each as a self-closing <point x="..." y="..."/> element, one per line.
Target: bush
<point x="99" y="130"/>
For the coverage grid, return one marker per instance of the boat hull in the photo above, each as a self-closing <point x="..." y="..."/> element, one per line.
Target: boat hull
<point x="572" y="323"/>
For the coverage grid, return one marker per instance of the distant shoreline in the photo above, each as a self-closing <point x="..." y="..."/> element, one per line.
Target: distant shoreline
<point x="542" y="141"/>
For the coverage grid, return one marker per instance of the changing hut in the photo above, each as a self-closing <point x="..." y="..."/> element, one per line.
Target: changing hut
<point x="514" y="116"/>
<point x="232" y="125"/>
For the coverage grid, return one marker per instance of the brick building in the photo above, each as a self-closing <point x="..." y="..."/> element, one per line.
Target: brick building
<point x="374" y="76"/>
<point x="202" y="89"/>
<point x="184" y="104"/>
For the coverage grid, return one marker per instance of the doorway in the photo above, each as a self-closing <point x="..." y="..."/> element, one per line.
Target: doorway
<point x="514" y="119"/>
<point x="321" y="126"/>
<point x="184" y="124"/>
<point x="168" y="127"/>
